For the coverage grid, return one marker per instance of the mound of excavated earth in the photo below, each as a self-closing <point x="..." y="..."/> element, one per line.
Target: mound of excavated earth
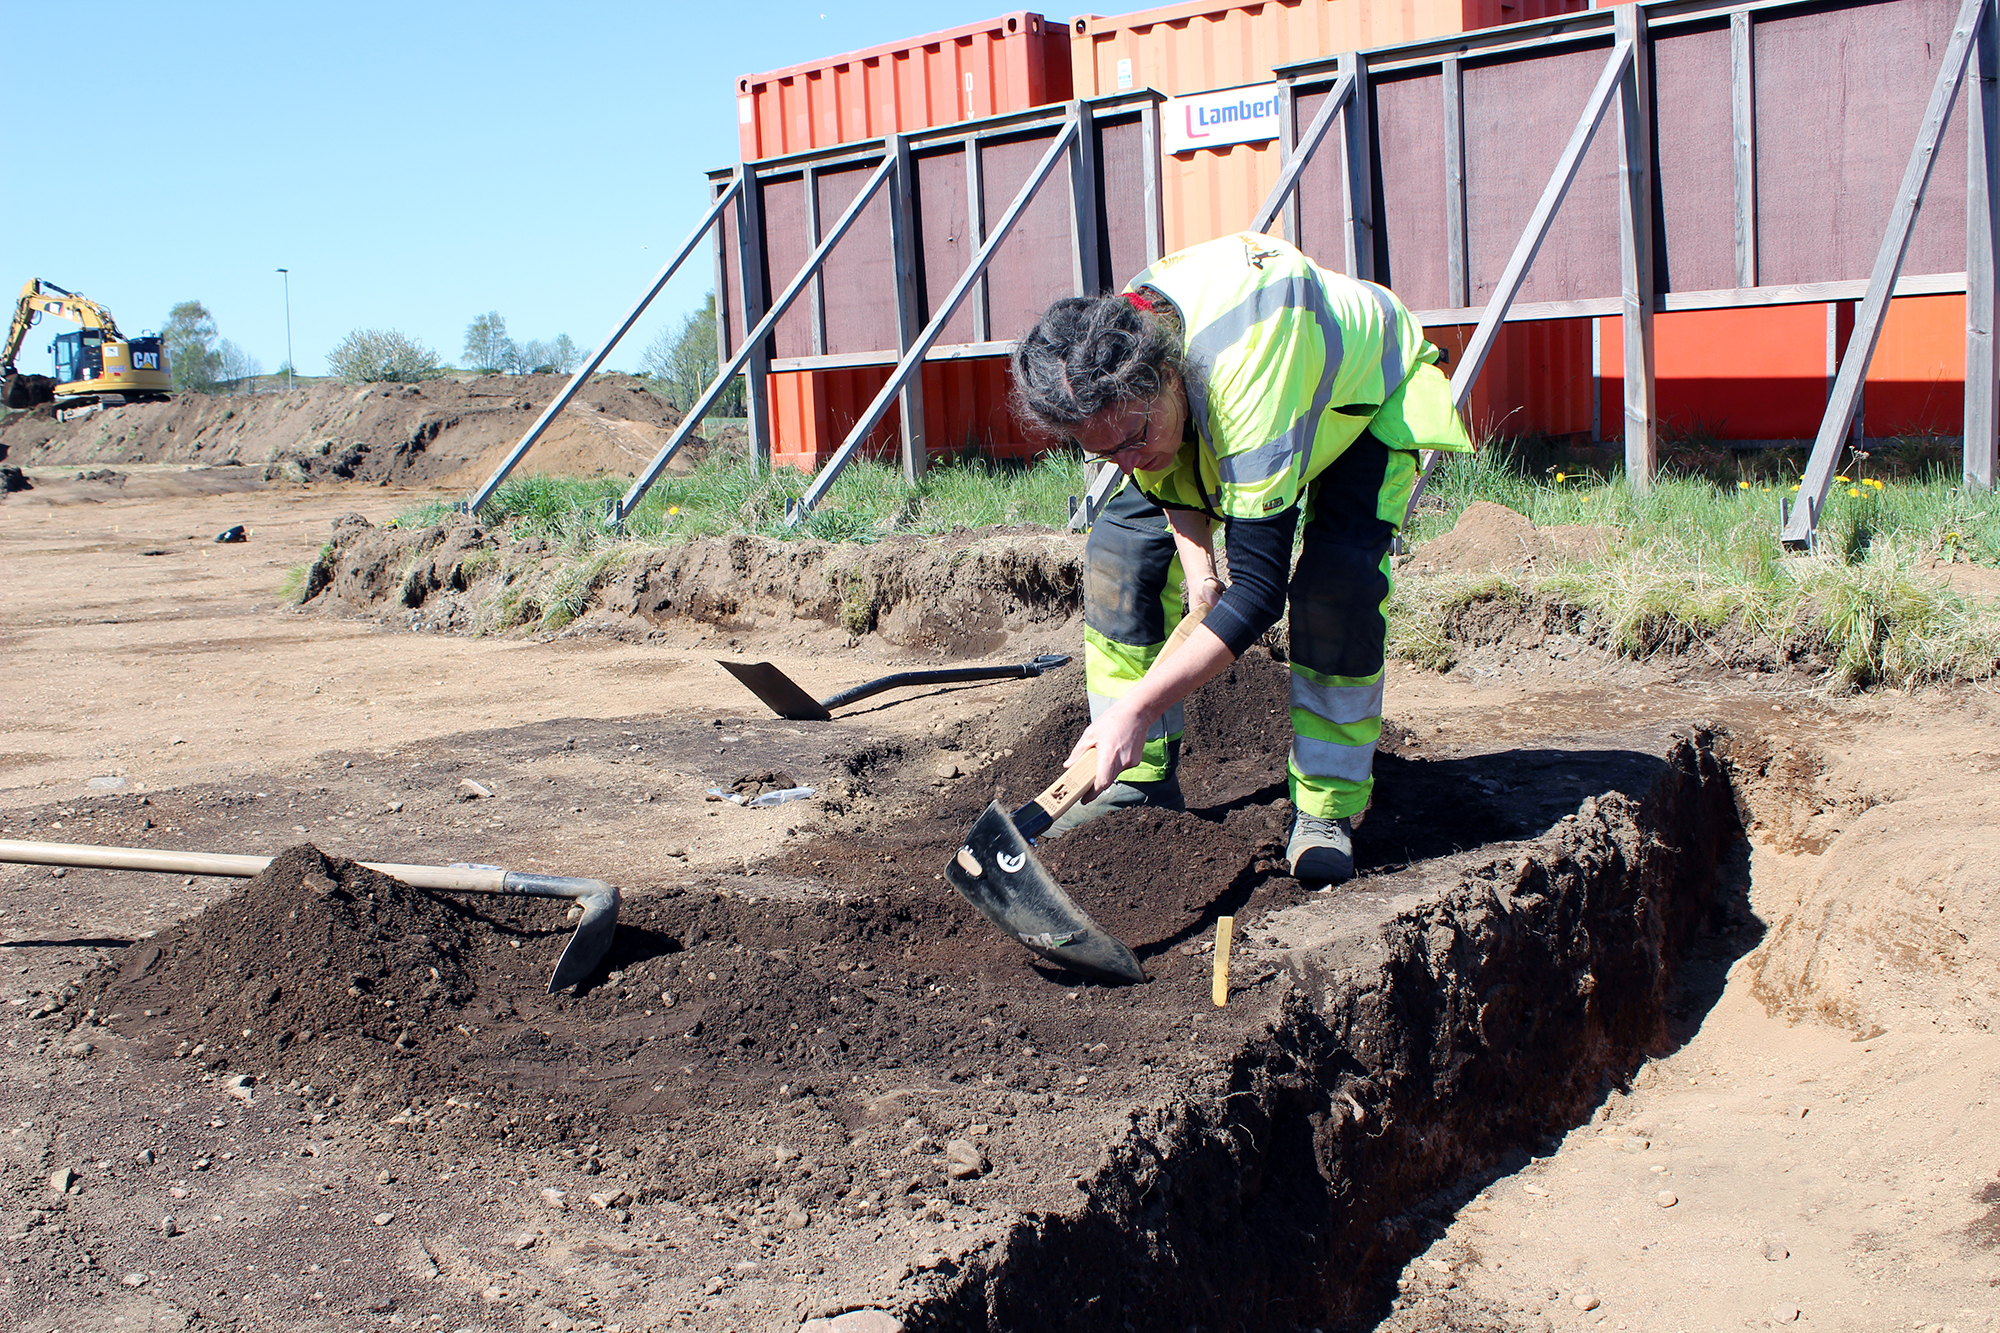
<point x="316" y="963"/>
<point x="807" y="1065"/>
<point x="435" y="432"/>
<point x="964" y="594"/>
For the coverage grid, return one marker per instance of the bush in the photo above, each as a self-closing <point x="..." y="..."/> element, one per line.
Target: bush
<point x="376" y="356"/>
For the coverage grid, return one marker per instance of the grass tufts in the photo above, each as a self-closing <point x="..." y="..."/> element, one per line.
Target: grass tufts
<point x="1698" y="557"/>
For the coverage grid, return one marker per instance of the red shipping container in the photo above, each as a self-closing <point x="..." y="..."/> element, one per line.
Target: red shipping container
<point x="1536" y="379"/>
<point x="965" y="408"/>
<point x="1762" y="373"/>
<point x="1005" y="64"/>
<point x="1200" y="46"/>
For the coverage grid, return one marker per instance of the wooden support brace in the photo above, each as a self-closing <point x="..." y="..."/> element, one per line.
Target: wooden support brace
<point x="1803" y="516"/>
<point x="1982" y="239"/>
<point x="1635" y="245"/>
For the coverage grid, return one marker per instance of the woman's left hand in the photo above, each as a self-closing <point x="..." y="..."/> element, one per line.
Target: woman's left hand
<point x="1120" y="738"/>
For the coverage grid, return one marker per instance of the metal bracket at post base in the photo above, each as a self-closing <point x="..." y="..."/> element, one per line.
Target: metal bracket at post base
<point x="1808" y="544"/>
<point x="1083" y="511"/>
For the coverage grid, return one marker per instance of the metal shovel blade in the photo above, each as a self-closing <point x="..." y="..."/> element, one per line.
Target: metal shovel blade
<point x="779" y="692"/>
<point x="998" y="873"/>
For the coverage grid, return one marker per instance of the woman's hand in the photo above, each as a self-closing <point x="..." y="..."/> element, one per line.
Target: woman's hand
<point x="1120" y="738"/>
<point x="1203" y="593"/>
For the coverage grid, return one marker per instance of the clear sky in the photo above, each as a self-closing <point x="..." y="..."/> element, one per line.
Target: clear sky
<point x="414" y="165"/>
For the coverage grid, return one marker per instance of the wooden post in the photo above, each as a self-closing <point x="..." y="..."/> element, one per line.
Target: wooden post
<point x="1458" y="289"/>
<point x="1149" y="153"/>
<point x="816" y="298"/>
<point x="1358" y="182"/>
<point x="975" y="227"/>
<point x="909" y="318"/>
<point x="1635" y="244"/>
<point x="1085" y="276"/>
<point x="750" y="286"/>
<point x="1982" y="396"/>
<point x="1288" y="145"/>
<point x="1743" y="118"/>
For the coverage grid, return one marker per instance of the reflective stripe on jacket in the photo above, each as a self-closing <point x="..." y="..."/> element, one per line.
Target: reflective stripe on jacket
<point x="1288" y="365"/>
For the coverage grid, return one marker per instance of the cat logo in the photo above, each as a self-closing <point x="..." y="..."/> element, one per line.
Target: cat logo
<point x="145" y="360"/>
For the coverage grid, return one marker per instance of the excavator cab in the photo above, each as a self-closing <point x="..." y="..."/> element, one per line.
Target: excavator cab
<point x="108" y="368"/>
<point x="79" y="356"/>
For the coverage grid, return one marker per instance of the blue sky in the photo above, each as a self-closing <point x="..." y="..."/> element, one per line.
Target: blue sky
<point x="413" y="165"/>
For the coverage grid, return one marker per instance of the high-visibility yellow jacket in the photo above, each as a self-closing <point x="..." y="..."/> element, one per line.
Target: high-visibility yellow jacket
<point x="1288" y="365"/>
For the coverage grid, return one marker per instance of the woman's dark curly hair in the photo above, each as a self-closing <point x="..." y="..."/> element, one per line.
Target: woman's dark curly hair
<point x="1087" y="353"/>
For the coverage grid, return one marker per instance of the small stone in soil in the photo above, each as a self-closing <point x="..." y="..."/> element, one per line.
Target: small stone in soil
<point x="384" y="1219"/>
<point x="1585" y="1300"/>
<point x="1667" y="1198"/>
<point x="1784" y="1314"/>
<point x="60" y="1181"/>
<point x="135" y="1279"/>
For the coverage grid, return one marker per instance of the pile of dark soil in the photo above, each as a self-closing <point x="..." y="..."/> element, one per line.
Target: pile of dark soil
<point x="317" y="961"/>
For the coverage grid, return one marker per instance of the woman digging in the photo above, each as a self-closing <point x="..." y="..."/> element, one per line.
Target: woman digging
<point x="1238" y="382"/>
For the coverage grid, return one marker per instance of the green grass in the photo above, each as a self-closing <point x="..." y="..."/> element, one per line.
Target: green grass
<point x="1700" y="551"/>
<point x="1696" y="556"/>
<point x="730" y="493"/>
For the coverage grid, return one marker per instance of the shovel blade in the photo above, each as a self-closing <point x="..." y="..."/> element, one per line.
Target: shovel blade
<point x="779" y="692"/>
<point x="587" y="947"/>
<point x="998" y="873"/>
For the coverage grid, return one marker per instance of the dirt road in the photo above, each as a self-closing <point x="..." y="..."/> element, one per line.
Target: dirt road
<point x="810" y="1083"/>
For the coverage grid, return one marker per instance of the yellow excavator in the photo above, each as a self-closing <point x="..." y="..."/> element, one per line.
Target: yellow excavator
<point x="95" y="364"/>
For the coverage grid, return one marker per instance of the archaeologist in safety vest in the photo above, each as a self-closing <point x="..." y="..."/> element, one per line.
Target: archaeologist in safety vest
<point x="1239" y="383"/>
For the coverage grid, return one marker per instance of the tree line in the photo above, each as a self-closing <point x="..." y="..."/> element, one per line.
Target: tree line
<point x="681" y="361"/>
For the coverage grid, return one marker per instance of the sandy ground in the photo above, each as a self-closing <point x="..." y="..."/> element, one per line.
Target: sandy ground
<point x="1778" y="1171"/>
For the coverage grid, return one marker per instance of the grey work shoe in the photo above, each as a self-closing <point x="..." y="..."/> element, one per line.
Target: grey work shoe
<point x="1165" y="793"/>
<point x="1321" y="851"/>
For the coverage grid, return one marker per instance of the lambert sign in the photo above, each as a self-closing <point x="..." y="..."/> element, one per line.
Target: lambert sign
<point x="1211" y="120"/>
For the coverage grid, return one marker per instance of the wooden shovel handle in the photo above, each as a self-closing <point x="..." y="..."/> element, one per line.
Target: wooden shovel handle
<point x="1078" y="779"/>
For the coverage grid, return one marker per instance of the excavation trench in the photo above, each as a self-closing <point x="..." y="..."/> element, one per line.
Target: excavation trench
<point x="802" y="1045"/>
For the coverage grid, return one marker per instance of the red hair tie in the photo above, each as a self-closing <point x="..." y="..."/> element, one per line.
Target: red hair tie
<point x="1139" y="302"/>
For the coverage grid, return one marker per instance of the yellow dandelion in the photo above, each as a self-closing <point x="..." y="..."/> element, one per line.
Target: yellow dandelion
<point x="1876" y="484"/>
<point x="672" y="510"/>
<point x="1742" y="485"/>
<point x="1795" y="485"/>
<point x="1562" y="476"/>
<point x="1840" y="478"/>
<point x="1854" y="490"/>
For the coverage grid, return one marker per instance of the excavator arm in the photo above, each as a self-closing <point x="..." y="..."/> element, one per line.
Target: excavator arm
<point x="39" y="298"/>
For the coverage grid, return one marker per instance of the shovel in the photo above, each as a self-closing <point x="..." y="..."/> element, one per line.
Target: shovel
<point x="787" y="700"/>
<point x="588" y="945"/>
<point x="999" y="874"/>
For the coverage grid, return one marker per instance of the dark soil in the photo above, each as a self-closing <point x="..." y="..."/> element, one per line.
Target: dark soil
<point x="315" y="963"/>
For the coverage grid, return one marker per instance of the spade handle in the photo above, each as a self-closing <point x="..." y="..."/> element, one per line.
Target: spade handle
<point x="1078" y="779"/>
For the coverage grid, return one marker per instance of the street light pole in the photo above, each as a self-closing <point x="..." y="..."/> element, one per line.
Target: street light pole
<point x="289" y="368"/>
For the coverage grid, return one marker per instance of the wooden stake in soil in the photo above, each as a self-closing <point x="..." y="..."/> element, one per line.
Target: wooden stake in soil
<point x="1224" y="926"/>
